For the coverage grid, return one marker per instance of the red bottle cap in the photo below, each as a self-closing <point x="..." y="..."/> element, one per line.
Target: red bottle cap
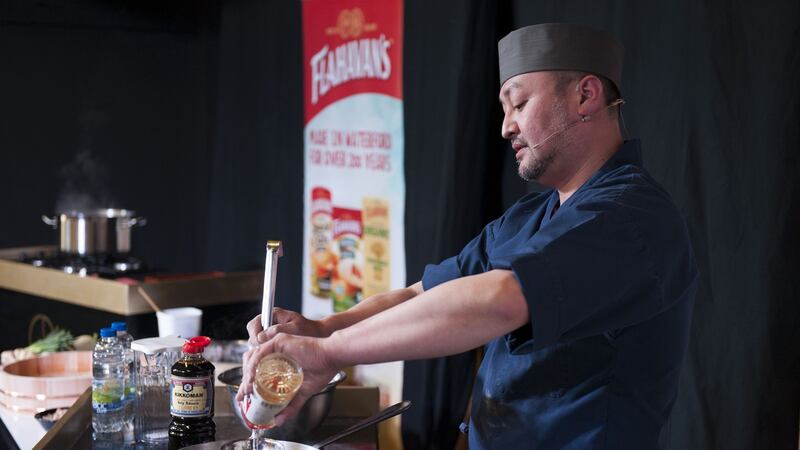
<point x="196" y="344"/>
<point x="320" y="192"/>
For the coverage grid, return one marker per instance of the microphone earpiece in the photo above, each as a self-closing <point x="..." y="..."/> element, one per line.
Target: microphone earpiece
<point x="583" y="119"/>
<point x="616" y="102"/>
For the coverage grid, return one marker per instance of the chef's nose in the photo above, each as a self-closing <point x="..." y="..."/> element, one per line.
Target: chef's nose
<point x="509" y="128"/>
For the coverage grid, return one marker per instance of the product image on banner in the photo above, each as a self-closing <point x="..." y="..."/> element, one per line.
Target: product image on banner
<point x="322" y="257"/>
<point x="347" y="284"/>
<point x="376" y="246"/>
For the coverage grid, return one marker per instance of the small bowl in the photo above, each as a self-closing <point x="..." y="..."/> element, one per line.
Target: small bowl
<point x="297" y="427"/>
<point x="47" y="423"/>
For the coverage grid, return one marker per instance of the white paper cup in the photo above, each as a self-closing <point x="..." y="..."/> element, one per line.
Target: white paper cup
<point x="183" y="322"/>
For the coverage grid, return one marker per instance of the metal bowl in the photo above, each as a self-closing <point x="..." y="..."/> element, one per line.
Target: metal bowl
<point x="45" y="417"/>
<point x="296" y="428"/>
<point x="226" y="350"/>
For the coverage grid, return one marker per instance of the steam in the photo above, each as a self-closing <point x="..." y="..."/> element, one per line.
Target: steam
<point x="85" y="185"/>
<point x="230" y="325"/>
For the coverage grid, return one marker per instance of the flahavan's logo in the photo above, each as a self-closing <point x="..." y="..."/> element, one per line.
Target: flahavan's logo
<point x="352" y="60"/>
<point x="346" y="226"/>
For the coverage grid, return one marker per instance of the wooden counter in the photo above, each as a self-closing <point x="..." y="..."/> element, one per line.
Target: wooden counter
<point x="122" y="298"/>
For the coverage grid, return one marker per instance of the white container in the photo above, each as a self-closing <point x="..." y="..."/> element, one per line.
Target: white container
<point x="183" y="322"/>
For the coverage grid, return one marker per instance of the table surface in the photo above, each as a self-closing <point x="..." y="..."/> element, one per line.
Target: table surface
<point x="27" y="432"/>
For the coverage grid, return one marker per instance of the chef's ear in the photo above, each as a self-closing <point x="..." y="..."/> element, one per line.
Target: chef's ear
<point x="590" y="89"/>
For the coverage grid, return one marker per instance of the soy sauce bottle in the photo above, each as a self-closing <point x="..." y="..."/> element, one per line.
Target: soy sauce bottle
<point x="191" y="402"/>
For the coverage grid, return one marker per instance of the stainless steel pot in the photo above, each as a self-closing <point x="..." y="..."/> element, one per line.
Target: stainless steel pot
<point x="100" y="231"/>
<point x="246" y="444"/>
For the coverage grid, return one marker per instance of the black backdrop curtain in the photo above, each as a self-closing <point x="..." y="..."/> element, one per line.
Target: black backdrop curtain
<point x="711" y="89"/>
<point x="711" y="92"/>
<point x="198" y="106"/>
<point x="453" y="160"/>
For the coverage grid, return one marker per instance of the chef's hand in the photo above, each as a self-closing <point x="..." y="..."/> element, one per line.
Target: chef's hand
<point x="284" y="321"/>
<point x="310" y="355"/>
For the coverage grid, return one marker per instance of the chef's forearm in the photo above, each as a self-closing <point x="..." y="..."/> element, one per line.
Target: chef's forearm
<point x="369" y="307"/>
<point x="451" y="318"/>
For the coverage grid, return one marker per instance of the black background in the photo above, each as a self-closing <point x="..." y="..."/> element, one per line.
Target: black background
<point x="192" y="113"/>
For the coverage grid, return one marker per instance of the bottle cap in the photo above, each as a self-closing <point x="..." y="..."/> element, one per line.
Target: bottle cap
<point x="119" y="326"/>
<point x="196" y="344"/>
<point x="108" y="332"/>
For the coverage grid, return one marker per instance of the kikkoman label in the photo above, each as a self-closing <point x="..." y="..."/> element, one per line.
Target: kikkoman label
<point x="190" y="397"/>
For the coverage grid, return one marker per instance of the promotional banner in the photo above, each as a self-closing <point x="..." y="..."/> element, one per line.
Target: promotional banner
<point x="354" y="183"/>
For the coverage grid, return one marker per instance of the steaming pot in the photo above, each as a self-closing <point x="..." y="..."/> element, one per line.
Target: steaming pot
<point x="95" y="232"/>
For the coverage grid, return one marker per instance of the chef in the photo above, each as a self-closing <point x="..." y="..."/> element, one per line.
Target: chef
<point x="582" y="295"/>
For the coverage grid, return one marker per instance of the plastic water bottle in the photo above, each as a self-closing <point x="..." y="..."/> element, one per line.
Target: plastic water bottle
<point x="125" y="340"/>
<point x="108" y="384"/>
<point x="122" y="333"/>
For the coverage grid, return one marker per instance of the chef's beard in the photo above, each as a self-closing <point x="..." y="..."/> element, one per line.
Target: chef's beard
<point x="539" y="160"/>
<point x="534" y="169"/>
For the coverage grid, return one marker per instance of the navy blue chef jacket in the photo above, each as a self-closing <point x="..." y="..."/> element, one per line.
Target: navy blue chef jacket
<point x="610" y="280"/>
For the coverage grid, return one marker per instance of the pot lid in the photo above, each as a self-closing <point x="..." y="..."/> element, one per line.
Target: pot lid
<point x="99" y="212"/>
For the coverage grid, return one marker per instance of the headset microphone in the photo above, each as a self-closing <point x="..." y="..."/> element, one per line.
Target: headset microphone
<point x="583" y="119"/>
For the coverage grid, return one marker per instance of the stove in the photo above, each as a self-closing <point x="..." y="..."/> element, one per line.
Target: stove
<point x="104" y="265"/>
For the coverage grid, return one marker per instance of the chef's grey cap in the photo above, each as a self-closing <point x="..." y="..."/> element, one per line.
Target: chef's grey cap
<point x="560" y="46"/>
